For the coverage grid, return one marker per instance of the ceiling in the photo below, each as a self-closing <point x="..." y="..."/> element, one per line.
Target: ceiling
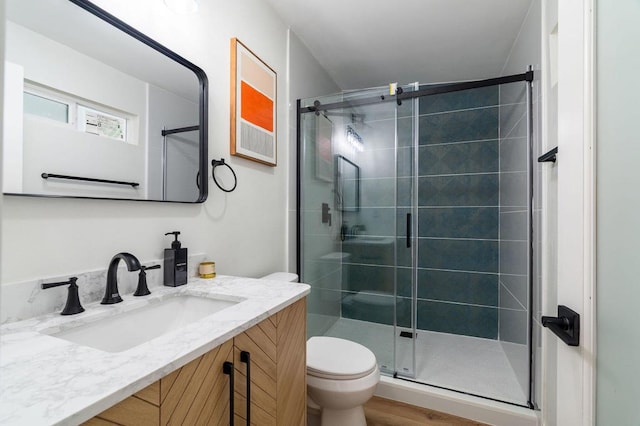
<point x="367" y="43"/>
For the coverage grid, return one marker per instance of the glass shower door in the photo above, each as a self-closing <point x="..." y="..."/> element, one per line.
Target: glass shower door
<point x="472" y="241"/>
<point x="406" y="226"/>
<point x="348" y="254"/>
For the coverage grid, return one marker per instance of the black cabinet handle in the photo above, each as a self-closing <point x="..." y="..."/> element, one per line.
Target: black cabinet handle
<point x="408" y="230"/>
<point x="246" y="358"/>
<point x="227" y="368"/>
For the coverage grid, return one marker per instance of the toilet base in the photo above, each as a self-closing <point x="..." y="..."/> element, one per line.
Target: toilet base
<point x="349" y="417"/>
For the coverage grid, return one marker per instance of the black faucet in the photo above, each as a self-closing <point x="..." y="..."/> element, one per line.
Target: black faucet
<point x="73" y="305"/>
<point x="111" y="294"/>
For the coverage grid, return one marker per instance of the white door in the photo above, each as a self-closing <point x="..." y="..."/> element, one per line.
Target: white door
<point x="568" y="372"/>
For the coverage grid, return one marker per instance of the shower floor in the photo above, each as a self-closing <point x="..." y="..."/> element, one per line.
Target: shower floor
<point x="467" y="364"/>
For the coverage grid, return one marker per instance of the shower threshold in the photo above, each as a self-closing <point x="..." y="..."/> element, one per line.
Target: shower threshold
<point x="470" y="365"/>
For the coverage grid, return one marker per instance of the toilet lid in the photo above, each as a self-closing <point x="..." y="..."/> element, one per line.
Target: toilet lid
<point x="330" y="357"/>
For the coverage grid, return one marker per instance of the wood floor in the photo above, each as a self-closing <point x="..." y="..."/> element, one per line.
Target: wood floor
<point x="385" y="412"/>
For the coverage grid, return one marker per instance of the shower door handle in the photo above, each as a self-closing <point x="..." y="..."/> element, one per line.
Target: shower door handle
<point x="408" y="230"/>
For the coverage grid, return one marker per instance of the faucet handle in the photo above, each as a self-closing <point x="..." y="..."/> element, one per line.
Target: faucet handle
<point x="73" y="305"/>
<point x="58" y="284"/>
<point x="146" y="268"/>
<point x="143" y="289"/>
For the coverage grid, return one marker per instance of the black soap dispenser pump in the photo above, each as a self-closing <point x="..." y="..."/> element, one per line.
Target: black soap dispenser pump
<point x="175" y="263"/>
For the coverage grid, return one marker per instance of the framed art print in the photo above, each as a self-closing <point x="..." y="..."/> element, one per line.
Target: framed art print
<point x="253" y="106"/>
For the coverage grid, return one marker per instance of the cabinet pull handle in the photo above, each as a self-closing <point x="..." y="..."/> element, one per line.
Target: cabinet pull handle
<point x="246" y="358"/>
<point x="227" y="368"/>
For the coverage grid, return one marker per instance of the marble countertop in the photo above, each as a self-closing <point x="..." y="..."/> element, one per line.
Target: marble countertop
<point x="45" y="380"/>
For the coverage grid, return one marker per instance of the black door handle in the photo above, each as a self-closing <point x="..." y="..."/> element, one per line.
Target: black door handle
<point x="566" y="325"/>
<point x="227" y="368"/>
<point x="246" y="358"/>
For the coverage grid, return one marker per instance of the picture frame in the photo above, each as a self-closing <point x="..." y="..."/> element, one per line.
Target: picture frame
<point x="253" y="106"/>
<point x="324" y="149"/>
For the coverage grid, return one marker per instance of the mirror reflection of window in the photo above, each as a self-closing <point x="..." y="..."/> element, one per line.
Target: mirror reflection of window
<point x="46" y="108"/>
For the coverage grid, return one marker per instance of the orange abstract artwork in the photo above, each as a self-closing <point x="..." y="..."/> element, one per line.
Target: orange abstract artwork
<point x="253" y="106"/>
<point x="256" y="108"/>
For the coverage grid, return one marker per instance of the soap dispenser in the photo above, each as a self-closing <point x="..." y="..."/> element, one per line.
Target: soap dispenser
<point x="175" y="263"/>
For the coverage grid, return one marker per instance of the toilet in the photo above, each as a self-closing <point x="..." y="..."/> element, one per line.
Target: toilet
<point x="341" y="375"/>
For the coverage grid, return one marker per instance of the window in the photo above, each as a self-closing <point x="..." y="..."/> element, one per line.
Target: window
<point x="78" y="113"/>
<point x="45" y="107"/>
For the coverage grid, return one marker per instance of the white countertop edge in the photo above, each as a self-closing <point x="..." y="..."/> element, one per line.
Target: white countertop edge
<point x="56" y="402"/>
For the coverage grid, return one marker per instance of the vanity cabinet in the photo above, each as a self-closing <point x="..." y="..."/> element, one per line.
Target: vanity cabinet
<point x="199" y="393"/>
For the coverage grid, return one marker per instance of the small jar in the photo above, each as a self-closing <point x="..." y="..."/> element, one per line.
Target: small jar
<point x="207" y="269"/>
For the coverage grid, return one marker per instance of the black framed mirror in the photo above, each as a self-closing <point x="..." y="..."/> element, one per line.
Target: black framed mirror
<point x="347" y="183"/>
<point x="96" y="109"/>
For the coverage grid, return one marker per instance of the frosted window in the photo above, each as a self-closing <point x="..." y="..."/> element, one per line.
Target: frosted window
<point x="47" y="108"/>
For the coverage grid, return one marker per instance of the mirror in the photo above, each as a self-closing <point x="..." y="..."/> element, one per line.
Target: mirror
<point x="95" y="109"/>
<point x="347" y="185"/>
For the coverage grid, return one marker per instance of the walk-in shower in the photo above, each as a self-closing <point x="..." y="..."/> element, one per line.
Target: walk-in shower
<point x="415" y="230"/>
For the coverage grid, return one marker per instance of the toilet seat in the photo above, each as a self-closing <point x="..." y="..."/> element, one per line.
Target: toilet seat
<point x="338" y="359"/>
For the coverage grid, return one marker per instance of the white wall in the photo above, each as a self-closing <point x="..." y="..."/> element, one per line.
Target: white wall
<point x="618" y="201"/>
<point x="244" y="231"/>
<point x="2" y="29"/>
<point x="13" y="151"/>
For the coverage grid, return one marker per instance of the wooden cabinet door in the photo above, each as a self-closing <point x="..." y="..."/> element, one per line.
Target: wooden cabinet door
<point x="198" y="393"/>
<point x="291" y="341"/>
<point x="259" y="342"/>
<point x="278" y="370"/>
<point x="140" y="409"/>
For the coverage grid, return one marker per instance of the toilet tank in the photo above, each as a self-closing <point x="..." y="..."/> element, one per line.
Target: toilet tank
<point x="281" y="276"/>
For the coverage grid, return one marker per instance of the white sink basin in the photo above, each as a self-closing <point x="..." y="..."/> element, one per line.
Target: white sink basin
<point x="128" y="329"/>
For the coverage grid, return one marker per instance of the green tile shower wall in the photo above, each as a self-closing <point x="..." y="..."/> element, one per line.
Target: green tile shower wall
<point x="466" y="99"/>
<point x="458" y="197"/>
<point x="455" y="158"/>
